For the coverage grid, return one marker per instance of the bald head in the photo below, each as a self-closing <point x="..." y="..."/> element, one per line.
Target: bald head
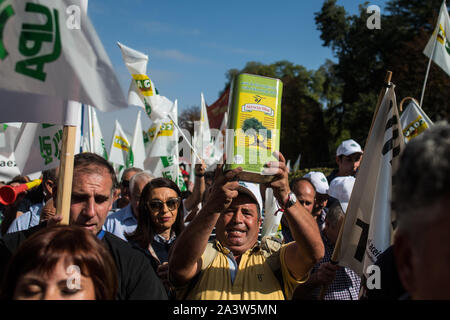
<point x="305" y="192"/>
<point x="137" y="184"/>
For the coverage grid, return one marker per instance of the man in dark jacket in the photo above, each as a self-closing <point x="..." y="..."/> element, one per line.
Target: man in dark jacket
<point x="92" y="197"/>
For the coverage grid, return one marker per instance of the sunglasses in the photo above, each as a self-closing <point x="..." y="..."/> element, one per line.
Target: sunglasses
<point x="157" y="205"/>
<point x="125" y="183"/>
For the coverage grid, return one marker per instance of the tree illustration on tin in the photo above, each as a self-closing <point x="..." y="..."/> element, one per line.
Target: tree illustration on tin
<point x="259" y="133"/>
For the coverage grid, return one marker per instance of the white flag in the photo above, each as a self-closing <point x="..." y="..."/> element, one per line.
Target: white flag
<point x="166" y="165"/>
<point x="439" y="43"/>
<point x="218" y="137"/>
<point x="96" y="141"/>
<point x="138" y="144"/>
<point x="8" y="135"/>
<point x="163" y="135"/>
<point x="297" y="163"/>
<point x="368" y="223"/>
<point x="156" y="106"/>
<point x="38" y="145"/>
<point x="8" y="166"/>
<point x="120" y="152"/>
<point x="47" y="59"/>
<point x="272" y="217"/>
<point x="288" y="165"/>
<point x="414" y="121"/>
<point x="202" y="135"/>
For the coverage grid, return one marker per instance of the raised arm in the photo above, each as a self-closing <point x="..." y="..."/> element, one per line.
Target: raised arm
<point x="185" y="256"/>
<point x="308" y="248"/>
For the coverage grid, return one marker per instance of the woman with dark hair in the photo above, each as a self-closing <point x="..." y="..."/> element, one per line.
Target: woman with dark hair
<point x="160" y="221"/>
<point x="61" y="263"/>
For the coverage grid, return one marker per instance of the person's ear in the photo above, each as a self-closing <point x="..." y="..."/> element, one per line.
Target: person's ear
<point x="338" y="160"/>
<point x="404" y="255"/>
<point x="48" y="186"/>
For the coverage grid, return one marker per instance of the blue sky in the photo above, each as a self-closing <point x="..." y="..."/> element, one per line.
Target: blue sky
<point x="192" y="44"/>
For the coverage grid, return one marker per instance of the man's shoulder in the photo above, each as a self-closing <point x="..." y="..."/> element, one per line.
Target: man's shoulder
<point x="122" y="248"/>
<point x="115" y="242"/>
<point x="120" y="215"/>
<point x="34" y="210"/>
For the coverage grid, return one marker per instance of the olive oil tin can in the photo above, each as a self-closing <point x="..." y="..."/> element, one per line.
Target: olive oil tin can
<point x="253" y="131"/>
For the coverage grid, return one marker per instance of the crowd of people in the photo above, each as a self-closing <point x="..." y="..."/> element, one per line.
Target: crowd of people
<point x="142" y="238"/>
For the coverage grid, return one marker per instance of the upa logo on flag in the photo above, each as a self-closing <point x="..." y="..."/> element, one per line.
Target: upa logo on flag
<point x="32" y="39"/>
<point x="50" y="152"/>
<point x="415" y="128"/>
<point x="442" y="38"/>
<point x="121" y="143"/>
<point x="144" y="84"/>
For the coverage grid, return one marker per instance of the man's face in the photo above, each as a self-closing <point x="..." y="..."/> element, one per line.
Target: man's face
<point x="348" y="165"/>
<point x="125" y="184"/>
<point x="425" y="262"/>
<point x="136" y="194"/>
<point x="238" y="227"/>
<point x="319" y="203"/>
<point x="305" y="194"/>
<point x="91" y="197"/>
<point x="332" y="231"/>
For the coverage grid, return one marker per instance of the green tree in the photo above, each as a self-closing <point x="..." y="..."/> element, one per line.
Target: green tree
<point x="365" y="55"/>
<point x="258" y="131"/>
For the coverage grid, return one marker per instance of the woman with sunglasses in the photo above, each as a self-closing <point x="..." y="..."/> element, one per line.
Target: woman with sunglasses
<point x="160" y="221"/>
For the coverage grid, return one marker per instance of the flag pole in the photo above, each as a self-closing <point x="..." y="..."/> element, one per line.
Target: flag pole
<point x="435" y="34"/>
<point x="428" y="70"/>
<point x="64" y="186"/>
<point x="185" y="139"/>
<point x="337" y="248"/>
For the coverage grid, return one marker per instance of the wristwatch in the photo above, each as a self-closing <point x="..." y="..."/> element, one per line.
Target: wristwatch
<point x="291" y="200"/>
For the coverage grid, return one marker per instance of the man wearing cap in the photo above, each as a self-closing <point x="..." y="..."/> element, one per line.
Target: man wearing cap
<point x="341" y="189"/>
<point x="320" y="182"/>
<point x="348" y="159"/>
<point x="235" y="266"/>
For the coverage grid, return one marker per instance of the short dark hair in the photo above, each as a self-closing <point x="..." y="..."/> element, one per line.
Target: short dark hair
<point x="334" y="214"/>
<point x="42" y="251"/>
<point x="132" y="169"/>
<point x="83" y="161"/>
<point x="49" y="174"/>
<point x="143" y="235"/>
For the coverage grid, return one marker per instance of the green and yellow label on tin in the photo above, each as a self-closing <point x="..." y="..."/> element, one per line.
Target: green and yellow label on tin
<point x="255" y="118"/>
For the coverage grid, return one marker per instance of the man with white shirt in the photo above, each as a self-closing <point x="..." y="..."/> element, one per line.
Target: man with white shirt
<point x="124" y="221"/>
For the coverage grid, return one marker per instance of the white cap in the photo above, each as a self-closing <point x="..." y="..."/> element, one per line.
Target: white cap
<point x="319" y="181"/>
<point x="341" y="189"/>
<point x="252" y="190"/>
<point x="348" y="147"/>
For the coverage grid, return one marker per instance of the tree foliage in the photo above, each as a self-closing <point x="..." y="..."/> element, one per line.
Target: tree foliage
<point x="187" y="118"/>
<point x="365" y="55"/>
<point x="322" y="107"/>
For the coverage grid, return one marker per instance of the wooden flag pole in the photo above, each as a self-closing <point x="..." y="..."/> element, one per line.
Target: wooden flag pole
<point x="337" y="248"/>
<point x="64" y="186"/>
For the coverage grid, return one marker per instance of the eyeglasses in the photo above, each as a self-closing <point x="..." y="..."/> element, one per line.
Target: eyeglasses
<point x="157" y="205"/>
